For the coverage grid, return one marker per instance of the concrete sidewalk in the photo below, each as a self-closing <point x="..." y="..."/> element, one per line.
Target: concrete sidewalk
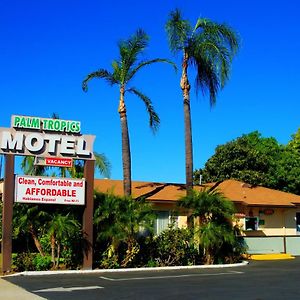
<point x="9" y="291"/>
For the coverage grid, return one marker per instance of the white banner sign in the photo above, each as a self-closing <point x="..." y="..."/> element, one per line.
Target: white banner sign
<point x="49" y="190"/>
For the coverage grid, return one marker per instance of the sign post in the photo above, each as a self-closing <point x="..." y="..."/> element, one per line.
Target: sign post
<point x="88" y="215"/>
<point x="7" y="213"/>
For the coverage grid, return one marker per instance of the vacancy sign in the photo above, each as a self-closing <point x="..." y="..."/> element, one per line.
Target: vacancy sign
<point x="54" y="161"/>
<point x="49" y="190"/>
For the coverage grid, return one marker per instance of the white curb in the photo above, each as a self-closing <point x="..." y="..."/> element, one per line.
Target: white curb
<point x="60" y="272"/>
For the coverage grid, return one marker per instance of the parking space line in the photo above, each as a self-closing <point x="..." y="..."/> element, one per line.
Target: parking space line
<point x="171" y="276"/>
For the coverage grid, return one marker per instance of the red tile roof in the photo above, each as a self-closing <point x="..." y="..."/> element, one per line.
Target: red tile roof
<point x="234" y="190"/>
<point x="256" y="195"/>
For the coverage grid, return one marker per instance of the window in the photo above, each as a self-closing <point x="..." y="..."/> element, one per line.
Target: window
<point x="163" y="220"/>
<point x="251" y="223"/>
<point x="298" y="222"/>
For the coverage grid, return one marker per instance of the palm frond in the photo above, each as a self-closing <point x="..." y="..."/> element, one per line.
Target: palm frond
<point x="211" y="54"/>
<point x="207" y="78"/>
<point x="209" y="205"/>
<point x="217" y="54"/>
<point x="101" y="73"/>
<point x="154" y="120"/>
<point x="146" y="63"/>
<point x="221" y="33"/>
<point x="178" y="30"/>
<point x="55" y="116"/>
<point x="117" y="71"/>
<point x="102" y="164"/>
<point x="130" y="50"/>
<point x="29" y="168"/>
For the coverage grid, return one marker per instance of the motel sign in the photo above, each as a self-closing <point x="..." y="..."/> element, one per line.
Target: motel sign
<point x="53" y="142"/>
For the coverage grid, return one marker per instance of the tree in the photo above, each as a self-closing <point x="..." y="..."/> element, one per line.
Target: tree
<point x="250" y="158"/>
<point x="214" y="213"/>
<point x="213" y="237"/>
<point x="29" y="168"/>
<point x="288" y="171"/>
<point x="208" y="205"/>
<point x="60" y="228"/>
<point x="30" y="219"/>
<point x="294" y="143"/>
<point x="288" y="166"/>
<point x="121" y="219"/>
<point x="102" y="164"/>
<point x="209" y="47"/>
<point x="123" y="71"/>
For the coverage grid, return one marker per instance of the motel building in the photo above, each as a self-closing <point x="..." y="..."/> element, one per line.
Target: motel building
<point x="269" y="219"/>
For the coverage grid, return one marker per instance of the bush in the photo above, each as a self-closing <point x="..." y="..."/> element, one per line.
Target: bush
<point x="23" y="261"/>
<point x="71" y="250"/>
<point x="233" y="253"/>
<point x="42" y="263"/>
<point x="147" y="253"/>
<point x="175" y="247"/>
<point x="26" y="261"/>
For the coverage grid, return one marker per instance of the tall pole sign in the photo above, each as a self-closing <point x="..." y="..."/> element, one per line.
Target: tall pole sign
<point x="7" y="213"/>
<point x="53" y="142"/>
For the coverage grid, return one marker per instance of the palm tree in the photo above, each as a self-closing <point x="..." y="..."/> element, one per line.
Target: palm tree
<point x="208" y="205"/>
<point x="209" y="47"/>
<point x="60" y="227"/>
<point x="30" y="219"/>
<point x="120" y="219"/>
<point x="102" y="164"/>
<point x="213" y="237"/>
<point x="215" y="214"/>
<point x="29" y="168"/>
<point x="123" y="71"/>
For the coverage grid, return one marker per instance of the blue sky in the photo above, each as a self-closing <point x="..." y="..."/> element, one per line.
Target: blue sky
<point x="48" y="47"/>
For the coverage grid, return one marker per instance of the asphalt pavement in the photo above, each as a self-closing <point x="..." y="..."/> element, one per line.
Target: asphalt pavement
<point x="259" y="280"/>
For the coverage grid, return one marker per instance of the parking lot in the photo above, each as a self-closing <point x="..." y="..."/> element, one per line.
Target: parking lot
<point x="257" y="280"/>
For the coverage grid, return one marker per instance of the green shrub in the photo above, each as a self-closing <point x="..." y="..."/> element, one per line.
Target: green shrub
<point x="174" y="247"/>
<point x="109" y="260"/>
<point x="152" y="263"/>
<point x="147" y="253"/>
<point x="42" y="263"/>
<point x="71" y="255"/>
<point x="233" y="252"/>
<point x="23" y="261"/>
<point x="72" y="250"/>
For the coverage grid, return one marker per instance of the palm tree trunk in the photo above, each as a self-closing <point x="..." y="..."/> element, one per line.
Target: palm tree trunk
<point x="126" y="156"/>
<point x="52" y="242"/>
<point x="133" y="249"/>
<point x="185" y="86"/>
<point x="58" y="255"/>
<point x="36" y="240"/>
